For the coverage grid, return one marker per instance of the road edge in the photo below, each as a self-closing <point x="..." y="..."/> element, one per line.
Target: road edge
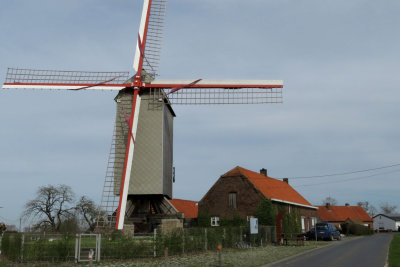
<point x="311" y="250"/>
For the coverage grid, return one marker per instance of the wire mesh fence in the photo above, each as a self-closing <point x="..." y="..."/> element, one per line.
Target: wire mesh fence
<point x="30" y="247"/>
<point x="36" y="247"/>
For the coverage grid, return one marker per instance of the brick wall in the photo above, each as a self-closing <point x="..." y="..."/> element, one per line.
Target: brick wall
<point x="216" y="201"/>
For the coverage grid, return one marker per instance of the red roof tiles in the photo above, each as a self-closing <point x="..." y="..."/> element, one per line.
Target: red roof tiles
<point x="342" y="213"/>
<point x="187" y="207"/>
<point x="270" y="187"/>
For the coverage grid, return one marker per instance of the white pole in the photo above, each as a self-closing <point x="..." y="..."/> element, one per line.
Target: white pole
<point x="154" y="246"/>
<point x="315" y="229"/>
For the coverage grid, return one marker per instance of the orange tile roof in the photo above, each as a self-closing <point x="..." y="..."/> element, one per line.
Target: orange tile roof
<point x="342" y="213"/>
<point x="270" y="187"/>
<point x="187" y="207"/>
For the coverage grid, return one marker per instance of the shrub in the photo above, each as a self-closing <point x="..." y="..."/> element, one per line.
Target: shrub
<point x="204" y="219"/>
<point x="234" y="222"/>
<point x="266" y="212"/>
<point x="11" y="245"/>
<point x="291" y="221"/>
<point x="355" y="229"/>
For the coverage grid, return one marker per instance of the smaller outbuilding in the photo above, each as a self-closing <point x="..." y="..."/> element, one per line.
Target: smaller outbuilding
<point x="384" y="222"/>
<point x="345" y="214"/>
<point x="188" y="209"/>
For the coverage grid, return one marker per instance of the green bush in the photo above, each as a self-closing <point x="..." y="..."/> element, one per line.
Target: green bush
<point x="59" y="249"/>
<point x="236" y="221"/>
<point x="126" y="248"/>
<point x="355" y="229"/>
<point x="11" y="246"/>
<point x="266" y="212"/>
<point x="204" y="219"/>
<point x="291" y="221"/>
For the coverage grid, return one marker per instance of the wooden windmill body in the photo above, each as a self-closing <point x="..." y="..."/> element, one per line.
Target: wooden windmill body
<point x="140" y="173"/>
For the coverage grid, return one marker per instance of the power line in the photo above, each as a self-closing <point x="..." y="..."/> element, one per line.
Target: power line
<point x="343" y="173"/>
<point x="348" y="179"/>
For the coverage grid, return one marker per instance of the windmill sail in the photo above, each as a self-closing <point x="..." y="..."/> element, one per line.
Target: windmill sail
<point x="151" y="31"/>
<point x="64" y="80"/>
<point x="218" y="91"/>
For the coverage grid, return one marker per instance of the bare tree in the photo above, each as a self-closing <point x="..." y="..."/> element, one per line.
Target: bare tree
<point x="87" y="211"/>
<point x="3" y="228"/>
<point x="329" y="200"/>
<point x="370" y="209"/>
<point x="52" y="205"/>
<point x="386" y="208"/>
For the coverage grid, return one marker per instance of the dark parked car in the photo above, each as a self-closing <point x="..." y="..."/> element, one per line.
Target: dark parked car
<point x="325" y="231"/>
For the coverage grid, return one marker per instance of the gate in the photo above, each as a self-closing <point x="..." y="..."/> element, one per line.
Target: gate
<point x="87" y="247"/>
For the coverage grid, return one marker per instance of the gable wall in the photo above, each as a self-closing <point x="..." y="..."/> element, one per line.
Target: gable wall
<point x="384" y="223"/>
<point x="216" y="201"/>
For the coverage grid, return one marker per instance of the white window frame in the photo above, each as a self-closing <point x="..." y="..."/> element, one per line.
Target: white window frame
<point x="215" y="221"/>
<point x="313" y="221"/>
<point x="303" y="224"/>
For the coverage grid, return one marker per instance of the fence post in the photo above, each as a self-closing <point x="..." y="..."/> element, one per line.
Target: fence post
<point x="205" y="238"/>
<point x="224" y="236"/>
<point x="220" y="255"/>
<point x="76" y="248"/>
<point x="98" y="246"/>
<point x="154" y="245"/>
<point x="22" y="247"/>
<point x="166" y="257"/>
<point x="183" y="241"/>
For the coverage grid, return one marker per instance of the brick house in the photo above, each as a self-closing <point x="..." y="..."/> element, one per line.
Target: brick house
<point x="240" y="192"/>
<point x="189" y="210"/>
<point x="340" y="214"/>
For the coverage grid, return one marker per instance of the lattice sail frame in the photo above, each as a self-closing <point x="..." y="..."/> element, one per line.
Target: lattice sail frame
<point x="219" y="96"/>
<point x="155" y="34"/>
<point x="205" y="92"/>
<point x="17" y="78"/>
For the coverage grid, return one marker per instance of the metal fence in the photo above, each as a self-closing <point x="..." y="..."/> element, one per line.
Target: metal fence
<point x="29" y="247"/>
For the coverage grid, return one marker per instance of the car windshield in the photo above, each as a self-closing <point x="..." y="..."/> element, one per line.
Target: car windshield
<point x="322" y="227"/>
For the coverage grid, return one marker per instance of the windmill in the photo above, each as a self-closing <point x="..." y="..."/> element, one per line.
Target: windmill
<point x="139" y="175"/>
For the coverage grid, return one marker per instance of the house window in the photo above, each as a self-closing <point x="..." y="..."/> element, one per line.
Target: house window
<point x="313" y="220"/>
<point x="215" y="221"/>
<point x="303" y="225"/>
<point x="232" y="200"/>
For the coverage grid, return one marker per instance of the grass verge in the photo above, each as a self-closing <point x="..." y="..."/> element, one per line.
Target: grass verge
<point x="394" y="251"/>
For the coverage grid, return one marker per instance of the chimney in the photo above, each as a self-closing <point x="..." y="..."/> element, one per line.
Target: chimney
<point x="347" y="204"/>
<point x="328" y="205"/>
<point x="286" y="180"/>
<point x="263" y="172"/>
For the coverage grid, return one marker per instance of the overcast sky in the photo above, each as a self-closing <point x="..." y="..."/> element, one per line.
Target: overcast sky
<point x="339" y="60"/>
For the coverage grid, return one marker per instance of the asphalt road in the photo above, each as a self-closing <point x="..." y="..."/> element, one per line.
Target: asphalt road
<point x="367" y="251"/>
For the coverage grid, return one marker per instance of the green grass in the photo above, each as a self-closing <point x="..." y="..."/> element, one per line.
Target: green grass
<point x="394" y="251"/>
